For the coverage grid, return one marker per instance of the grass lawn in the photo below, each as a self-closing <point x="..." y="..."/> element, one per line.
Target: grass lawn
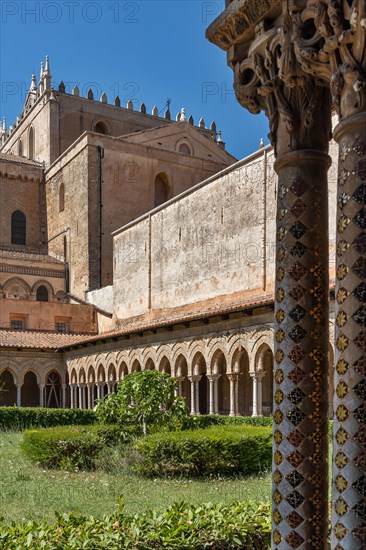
<point x="30" y="492"/>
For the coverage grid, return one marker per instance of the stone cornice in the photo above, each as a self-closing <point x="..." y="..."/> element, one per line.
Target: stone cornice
<point x="237" y="23"/>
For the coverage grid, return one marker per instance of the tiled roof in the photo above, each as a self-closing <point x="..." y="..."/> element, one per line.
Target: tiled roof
<point x="22" y="160"/>
<point x="131" y="329"/>
<point x="36" y="339"/>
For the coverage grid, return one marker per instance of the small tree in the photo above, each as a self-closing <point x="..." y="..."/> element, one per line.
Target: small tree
<point x="143" y="399"/>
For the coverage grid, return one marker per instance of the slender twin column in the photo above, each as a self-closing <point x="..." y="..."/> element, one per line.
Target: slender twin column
<point x="195" y="401"/>
<point x="257" y="377"/>
<point x="213" y="393"/>
<point x="349" y="431"/>
<point x="41" y="395"/>
<point x="234" y="381"/>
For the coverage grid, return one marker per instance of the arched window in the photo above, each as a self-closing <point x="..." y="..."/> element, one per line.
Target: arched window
<point x="61" y="198"/>
<point x="184" y="149"/>
<point x="20" y="148"/>
<point x="18" y="228"/>
<point x="161" y="189"/>
<point x="101" y="128"/>
<point x="42" y="294"/>
<point x="31" y="143"/>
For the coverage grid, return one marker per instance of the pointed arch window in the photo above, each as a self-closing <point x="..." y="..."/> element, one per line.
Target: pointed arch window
<point x="161" y="190"/>
<point x="61" y="198"/>
<point x="18" y="228"/>
<point x="20" y="148"/>
<point x="31" y="143"/>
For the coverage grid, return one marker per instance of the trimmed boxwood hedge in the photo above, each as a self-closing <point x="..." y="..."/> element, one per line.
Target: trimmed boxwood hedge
<point x="182" y="526"/>
<point x="208" y="420"/>
<point x="68" y="446"/>
<point x="21" y="418"/>
<point x="216" y="450"/>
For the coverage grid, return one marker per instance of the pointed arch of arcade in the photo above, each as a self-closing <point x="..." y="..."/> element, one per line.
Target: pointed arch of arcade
<point x="53" y="390"/>
<point x="122" y="370"/>
<point x="199" y="384"/>
<point x="263" y="380"/>
<point x="239" y="365"/>
<point x="194" y="348"/>
<point x="164" y="365"/>
<point x="30" y="390"/>
<point x="149" y="364"/>
<point x="112" y="378"/>
<point x="136" y="366"/>
<point x="220" y="397"/>
<point x="8" y="397"/>
<point x="181" y="374"/>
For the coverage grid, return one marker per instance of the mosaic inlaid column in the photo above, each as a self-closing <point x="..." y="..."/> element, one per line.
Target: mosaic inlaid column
<point x="349" y="440"/>
<point x="300" y="476"/>
<point x="336" y="53"/>
<point x="259" y="39"/>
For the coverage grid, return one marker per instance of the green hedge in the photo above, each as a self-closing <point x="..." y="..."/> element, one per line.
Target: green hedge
<point x="208" y="420"/>
<point x="216" y="450"/>
<point x="68" y="447"/>
<point x="219" y="527"/>
<point x="21" y="418"/>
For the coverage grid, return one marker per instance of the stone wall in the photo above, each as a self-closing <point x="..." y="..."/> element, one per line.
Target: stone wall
<point x="102" y="298"/>
<point x="68" y="230"/>
<point x="212" y="246"/>
<point x="22" y="188"/>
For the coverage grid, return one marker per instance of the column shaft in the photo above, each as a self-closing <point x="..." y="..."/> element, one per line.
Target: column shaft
<point x="19" y="395"/>
<point x="300" y="472"/>
<point x="212" y="395"/>
<point x="349" y="430"/>
<point x="255" y="395"/>
<point x="193" y="395"/>
<point x="197" y="394"/>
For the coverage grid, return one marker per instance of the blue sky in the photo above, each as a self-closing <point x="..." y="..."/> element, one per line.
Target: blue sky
<point x="146" y="50"/>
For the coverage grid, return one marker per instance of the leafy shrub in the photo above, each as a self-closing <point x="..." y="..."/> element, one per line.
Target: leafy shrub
<point x="144" y="400"/>
<point x="68" y="447"/>
<point x="182" y="526"/>
<point x="21" y="418"/>
<point x="208" y="420"/>
<point x="216" y="450"/>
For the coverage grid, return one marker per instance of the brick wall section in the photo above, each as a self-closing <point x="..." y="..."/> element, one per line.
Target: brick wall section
<point x="22" y="188"/>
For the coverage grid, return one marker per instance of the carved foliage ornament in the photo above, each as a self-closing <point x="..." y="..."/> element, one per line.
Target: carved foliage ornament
<point x="329" y="38"/>
<point x="271" y="79"/>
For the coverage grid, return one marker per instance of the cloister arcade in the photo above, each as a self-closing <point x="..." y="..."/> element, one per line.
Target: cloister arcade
<point x="29" y="388"/>
<point x="216" y="378"/>
<point x="229" y="376"/>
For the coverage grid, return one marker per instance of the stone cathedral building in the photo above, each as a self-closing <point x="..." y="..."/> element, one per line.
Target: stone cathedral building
<point x="125" y="246"/>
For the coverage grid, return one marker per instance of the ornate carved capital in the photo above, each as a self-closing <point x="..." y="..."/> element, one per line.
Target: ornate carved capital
<point x="271" y="79"/>
<point x="237" y="23"/>
<point x="268" y="76"/>
<point x="329" y="38"/>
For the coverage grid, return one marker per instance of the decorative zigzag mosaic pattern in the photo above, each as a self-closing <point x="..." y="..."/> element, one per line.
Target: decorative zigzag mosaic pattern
<point x="349" y="437"/>
<point x="300" y="395"/>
